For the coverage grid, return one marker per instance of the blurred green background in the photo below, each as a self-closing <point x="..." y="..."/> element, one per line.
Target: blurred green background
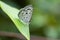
<point x="45" y="19"/>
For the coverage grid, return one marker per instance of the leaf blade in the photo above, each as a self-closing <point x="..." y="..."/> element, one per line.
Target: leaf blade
<point x="13" y="14"/>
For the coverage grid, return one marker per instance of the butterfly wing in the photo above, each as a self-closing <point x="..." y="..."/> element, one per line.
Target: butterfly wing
<point x="25" y="14"/>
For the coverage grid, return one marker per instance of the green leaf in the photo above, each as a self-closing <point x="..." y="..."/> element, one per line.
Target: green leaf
<point x="13" y="14"/>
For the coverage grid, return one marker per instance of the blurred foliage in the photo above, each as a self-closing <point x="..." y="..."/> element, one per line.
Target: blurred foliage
<point x="45" y="20"/>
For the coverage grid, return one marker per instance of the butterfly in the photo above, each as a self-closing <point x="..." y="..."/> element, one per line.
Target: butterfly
<point x="25" y="14"/>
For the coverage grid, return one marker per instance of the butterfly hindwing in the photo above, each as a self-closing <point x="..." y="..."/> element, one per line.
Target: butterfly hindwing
<point x="25" y="13"/>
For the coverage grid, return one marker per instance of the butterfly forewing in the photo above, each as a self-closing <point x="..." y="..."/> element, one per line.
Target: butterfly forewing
<point x="25" y="14"/>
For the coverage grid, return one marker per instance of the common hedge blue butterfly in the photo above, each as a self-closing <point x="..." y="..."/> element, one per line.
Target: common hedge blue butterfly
<point x="25" y="14"/>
